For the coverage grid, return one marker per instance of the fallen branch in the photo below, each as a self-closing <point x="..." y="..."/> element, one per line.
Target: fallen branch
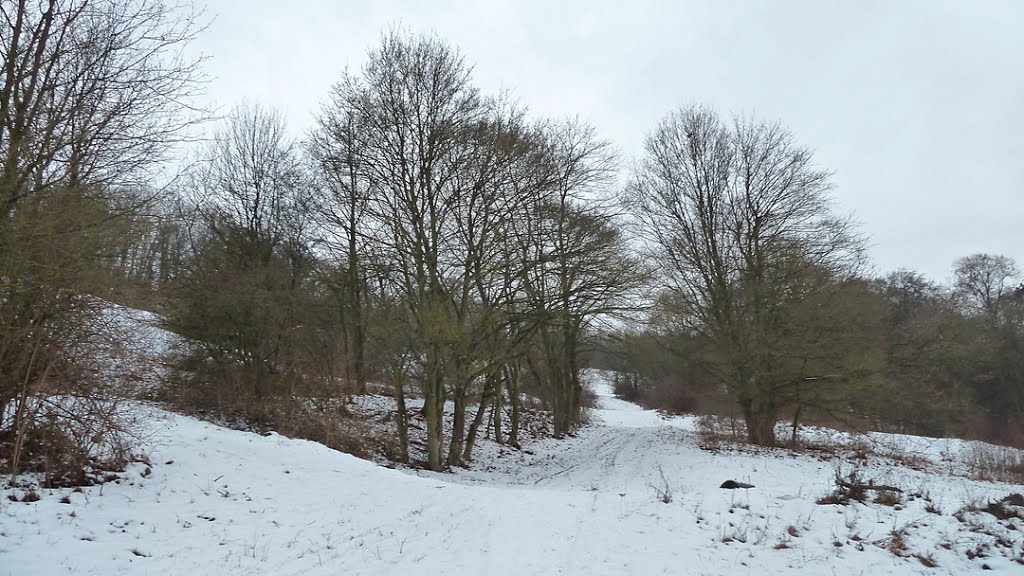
<point x="853" y="486"/>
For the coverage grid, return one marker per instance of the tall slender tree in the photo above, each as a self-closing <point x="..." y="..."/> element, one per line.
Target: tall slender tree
<point x="415" y="107"/>
<point x="579" y="268"/>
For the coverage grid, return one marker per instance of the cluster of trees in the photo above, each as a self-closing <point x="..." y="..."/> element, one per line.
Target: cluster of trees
<point x="439" y="240"/>
<point x="914" y="357"/>
<point x="423" y="234"/>
<point x="764" y="301"/>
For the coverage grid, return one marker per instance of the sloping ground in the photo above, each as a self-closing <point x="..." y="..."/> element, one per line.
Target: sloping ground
<point x="217" y="501"/>
<point x="130" y="349"/>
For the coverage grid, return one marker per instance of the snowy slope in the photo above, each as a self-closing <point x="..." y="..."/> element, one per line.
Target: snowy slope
<point x="217" y="501"/>
<point x="131" y="349"/>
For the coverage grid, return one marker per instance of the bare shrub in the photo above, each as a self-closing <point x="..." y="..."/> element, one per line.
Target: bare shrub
<point x="627" y="386"/>
<point x="671" y="396"/>
<point x="320" y="417"/>
<point x="713" y="431"/>
<point x="72" y="441"/>
<point x="853" y="487"/>
<point x="662" y="489"/>
<point x="855" y="450"/>
<point x="337" y="430"/>
<point x="69" y="423"/>
<point x="588" y="402"/>
<point x="1011" y="506"/>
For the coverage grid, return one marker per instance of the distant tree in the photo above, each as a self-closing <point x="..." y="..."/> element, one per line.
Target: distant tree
<point x="740" y="222"/>
<point x="251" y="183"/>
<point x="986" y="289"/>
<point x="911" y="297"/>
<point x="983" y="282"/>
<point x="923" y="344"/>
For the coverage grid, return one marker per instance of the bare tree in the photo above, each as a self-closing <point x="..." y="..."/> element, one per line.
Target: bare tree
<point x="335" y="148"/>
<point x="578" y="266"/>
<point x="415" y="107"/>
<point x="982" y="281"/>
<point x="251" y="181"/>
<point x="740" y="222"/>
<point x="93" y="94"/>
<point x="478" y="219"/>
<point x="245" y="292"/>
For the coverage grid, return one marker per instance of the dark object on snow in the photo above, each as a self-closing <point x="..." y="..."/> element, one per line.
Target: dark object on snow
<point x="732" y="485"/>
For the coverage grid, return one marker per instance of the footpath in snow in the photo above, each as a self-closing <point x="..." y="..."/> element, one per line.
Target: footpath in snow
<point x="224" y="502"/>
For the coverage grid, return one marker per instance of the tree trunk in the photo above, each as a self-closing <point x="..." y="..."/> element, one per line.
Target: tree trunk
<point x="492" y="388"/>
<point x="573" y="376"/>
<point x="796" y="424"/>
<point x="512" y="375"/>
<point x="355" y="297"/>
<point x="796" y="415"/>
<point x="458" y="430"/>
<point x="496" y="417"/>
<point x="433" y="392"/>
<point x="760" y="417"/>
<point x="260" y="386"/>
<point x="402" y="421"/>
<point x="562" y="386"/>
<point x="360" y="355"/>
<point x="558" y="403"/>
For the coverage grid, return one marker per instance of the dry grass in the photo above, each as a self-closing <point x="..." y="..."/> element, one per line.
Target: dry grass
<point x="927" y="560"/>
<point x="897" y="543"/>
<point x="995" y="463"/>
<point x="887" y="498"/>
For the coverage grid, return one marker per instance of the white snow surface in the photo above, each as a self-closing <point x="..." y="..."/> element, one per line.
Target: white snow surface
<point x="223" y="502"/>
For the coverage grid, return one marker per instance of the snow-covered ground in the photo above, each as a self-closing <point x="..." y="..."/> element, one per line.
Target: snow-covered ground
<point x="130" y="349"/>
<point x="218" y="501"/>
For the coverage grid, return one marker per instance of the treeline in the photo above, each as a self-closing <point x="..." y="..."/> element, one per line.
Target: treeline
<point x="423" y="235"/>
<point x="438" y="241"/>
<point x="764" y="304"/>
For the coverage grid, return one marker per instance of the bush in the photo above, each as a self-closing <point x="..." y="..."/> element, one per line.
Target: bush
<point x="322" y="418"/>
<point x="627" y="386"/>
<point x="713" y="431"/>
<point x="70" y="441"/>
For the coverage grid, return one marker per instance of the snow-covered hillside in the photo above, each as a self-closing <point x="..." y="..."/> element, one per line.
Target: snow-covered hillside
<point x="218" y="501"/>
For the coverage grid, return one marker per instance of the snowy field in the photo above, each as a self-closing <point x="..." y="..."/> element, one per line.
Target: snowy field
<point x="218" y="501"/>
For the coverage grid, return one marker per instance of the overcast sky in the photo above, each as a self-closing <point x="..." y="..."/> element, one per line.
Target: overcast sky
<point x="917" y="106"/>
